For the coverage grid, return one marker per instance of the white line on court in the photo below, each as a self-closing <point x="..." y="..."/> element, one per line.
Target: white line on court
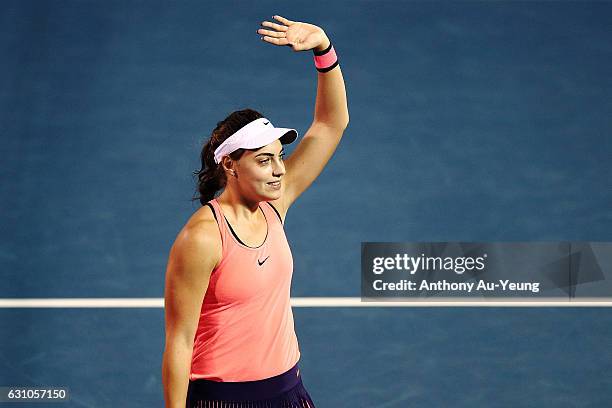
<point x="296" y="302"/>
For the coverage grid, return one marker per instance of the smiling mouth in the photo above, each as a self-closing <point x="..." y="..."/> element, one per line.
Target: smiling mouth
<point x="274" y="183"/>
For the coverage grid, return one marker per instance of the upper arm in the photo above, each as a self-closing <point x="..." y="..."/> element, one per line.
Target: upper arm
<point x="192" y="259"/>
<point x="308" y="160"/>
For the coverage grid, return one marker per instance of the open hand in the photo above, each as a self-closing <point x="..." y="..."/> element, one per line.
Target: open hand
<point x="300" y="36"/>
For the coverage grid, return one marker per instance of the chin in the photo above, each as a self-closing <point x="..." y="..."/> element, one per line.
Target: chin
<point x="271" y="195"/>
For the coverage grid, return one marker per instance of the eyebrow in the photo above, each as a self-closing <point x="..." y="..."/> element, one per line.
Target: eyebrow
<point x="269" y="154"/>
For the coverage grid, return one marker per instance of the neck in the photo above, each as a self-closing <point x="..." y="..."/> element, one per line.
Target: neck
<point x="239" y="206"/>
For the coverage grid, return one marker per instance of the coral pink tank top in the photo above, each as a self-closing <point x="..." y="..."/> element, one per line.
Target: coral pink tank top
<point x="246" y="330"/>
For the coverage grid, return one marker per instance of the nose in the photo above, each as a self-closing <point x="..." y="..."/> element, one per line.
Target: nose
<point x="278" y="168"/>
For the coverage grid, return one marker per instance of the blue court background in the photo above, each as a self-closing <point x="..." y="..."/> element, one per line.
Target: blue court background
<point x="470" y="121"/>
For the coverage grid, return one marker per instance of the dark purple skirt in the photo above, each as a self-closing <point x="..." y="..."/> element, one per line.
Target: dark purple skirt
<point x="282" y="391"/>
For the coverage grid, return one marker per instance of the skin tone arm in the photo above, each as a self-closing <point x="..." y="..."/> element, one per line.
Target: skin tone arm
<point x="192" y="258"/>
<point x="331" y="116"/>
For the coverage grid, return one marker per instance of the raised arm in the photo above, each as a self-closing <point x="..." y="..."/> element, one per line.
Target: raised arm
<point x="331" y="115"/>
<point x="192" y="258"/>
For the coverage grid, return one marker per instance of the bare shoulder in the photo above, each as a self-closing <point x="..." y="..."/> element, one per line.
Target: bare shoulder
<point x="200" y="237"/>
<point x="194" y="255"/>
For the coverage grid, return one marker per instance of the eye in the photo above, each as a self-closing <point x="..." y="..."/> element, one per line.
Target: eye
<point x="264" y="161"/>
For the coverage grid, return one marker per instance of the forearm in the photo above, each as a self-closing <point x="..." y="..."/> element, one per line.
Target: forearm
<point x="331" y="105"/>
<point x="175" y="374"/>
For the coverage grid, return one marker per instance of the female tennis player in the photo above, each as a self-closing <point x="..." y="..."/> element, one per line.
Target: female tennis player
<point x="230" y="338"/>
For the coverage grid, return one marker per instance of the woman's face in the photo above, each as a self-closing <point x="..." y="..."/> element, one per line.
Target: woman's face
<point x="260" y="172"/>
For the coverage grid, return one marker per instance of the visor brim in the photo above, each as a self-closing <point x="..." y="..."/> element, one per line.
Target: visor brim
<point x="285" y="136"/>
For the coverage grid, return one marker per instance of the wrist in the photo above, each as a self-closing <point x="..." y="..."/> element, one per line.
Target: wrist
<point x="325" y="57"/>
<point x="323" y="45"/>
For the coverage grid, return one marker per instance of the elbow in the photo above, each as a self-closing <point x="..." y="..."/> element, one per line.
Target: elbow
<point x="338" y="120"/>
<point x="341" y="124"/>
<point x="344" y="121"/>
<point x="180" y="339"/>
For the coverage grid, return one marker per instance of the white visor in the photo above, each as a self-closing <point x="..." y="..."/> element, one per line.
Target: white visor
<point x="256" y="134"/>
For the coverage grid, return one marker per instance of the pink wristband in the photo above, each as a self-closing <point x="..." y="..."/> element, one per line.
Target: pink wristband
<point x="325" y="60"/>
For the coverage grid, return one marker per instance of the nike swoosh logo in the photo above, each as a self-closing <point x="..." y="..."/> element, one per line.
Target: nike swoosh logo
<point x="265" y="123"/>
<point x="262" y="262"/>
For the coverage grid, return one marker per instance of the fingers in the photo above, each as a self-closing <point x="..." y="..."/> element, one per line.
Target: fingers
<point x="269" y="33"/>
<point x="283" y="20"/>
<point x="275" y="41"/>
<point x="275" y="26"/>
<point x="277" y="37"/>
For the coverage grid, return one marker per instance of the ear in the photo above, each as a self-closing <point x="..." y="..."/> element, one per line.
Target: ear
<point x="229" y="165"/>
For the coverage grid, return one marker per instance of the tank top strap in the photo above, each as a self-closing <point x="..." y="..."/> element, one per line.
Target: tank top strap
<point x="223" y="230"/>
<point x="273" y="219"/>
<point x="271" y="213"/>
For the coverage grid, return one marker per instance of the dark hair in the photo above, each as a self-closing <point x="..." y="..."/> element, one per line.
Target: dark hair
<point x="211" y="177"/>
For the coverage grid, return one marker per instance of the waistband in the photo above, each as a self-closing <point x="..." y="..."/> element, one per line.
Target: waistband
<point x="267" y="388"/>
